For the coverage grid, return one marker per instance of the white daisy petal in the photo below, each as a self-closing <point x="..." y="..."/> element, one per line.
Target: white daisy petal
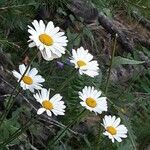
<point x="50" y="27"/>
<point x="31" y="88"/>
<point x="48" y="52"/>
<point x="49" y="113"/>
<point x="82" y="60"/>
<point x="97" y="94"/>
<point x="113" y="140"/>
<point x="56" y="98"/>
<point x="122" y="128"/>
<point x="122" y="135"/>
<point x="83" y="104"/>
<point x="38" y="78"/>
<point x="52" y="105"/>
<point x="37" y="97"/>
<point x="42" y="26"/>
<point x="33" y="72"/>
<point x="36" y="25"/>
<point x="90" y="73"/>
<point x="32" y="32"/>
<point x="22" y="69"/>
<point x="31" y="80"/>
<point x="48" y="93"/>
<point x="40" y="111"/>
<point x="44" y="94"/>
<point x="114" y="131"/>
<point x="53" y="32"/>
<point x="49" y="40"/>
<point x="113" y="119"/>
<point x="118" y="138"/>
<point x="45" y="56"/>
<point x="16" y="74"/>
<point x="32" y="44"/>
<point x="92" y="101"/>
<point x="57" y="112"/>
<point x="117" y="122"/>
<point x="23" y="85"/>
<point x="59" y="34"/>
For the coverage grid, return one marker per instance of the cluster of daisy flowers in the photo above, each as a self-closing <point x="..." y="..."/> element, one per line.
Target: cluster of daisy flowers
<point x="52" y="42"/>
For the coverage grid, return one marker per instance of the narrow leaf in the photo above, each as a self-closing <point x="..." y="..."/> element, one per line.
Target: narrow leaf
<point x="122" y="61"/>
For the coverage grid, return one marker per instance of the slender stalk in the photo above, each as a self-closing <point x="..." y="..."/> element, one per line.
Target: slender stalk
<point x="11" y="99"/>
<point x="19" y="131"/>
<point x="67" y="127"/>
<point x="111" y="63"/>
<point x="99" y="137"/>
<point x="9" y="106"/>
<point x="107" y="83"/>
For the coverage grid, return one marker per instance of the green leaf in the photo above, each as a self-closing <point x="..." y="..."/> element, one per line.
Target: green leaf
<point x="122" y="61"/>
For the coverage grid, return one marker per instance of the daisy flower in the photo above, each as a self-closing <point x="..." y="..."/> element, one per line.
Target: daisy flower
<point x="113" y="128"/>
<point x="92" y="100"/>
<point x="30" y="80"/>
<point x="50" y="41"/>
<point x="53" y="104"/>
<point x="82" y="60"/>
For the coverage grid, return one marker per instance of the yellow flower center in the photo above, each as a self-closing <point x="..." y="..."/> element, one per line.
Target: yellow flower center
<point x="47" y="104"/>
<point x="111" y="130"/>
<point x="27" y="80"/>
<point x="81" y="63"/>
<point x="46" y="39"/>
<point x="91" y="102"/>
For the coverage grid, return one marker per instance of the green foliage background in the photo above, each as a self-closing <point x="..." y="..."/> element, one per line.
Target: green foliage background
<point x="132" y="97"/>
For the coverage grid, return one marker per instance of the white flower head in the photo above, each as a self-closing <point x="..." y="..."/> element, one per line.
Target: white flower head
<point x="82" y="60"/>
<point x="113" y="128"/>
<point x="30" y="80"/>
<point x="50" y="41"/>
<point x="53" y="104"/>
<point x="92" y="100"/>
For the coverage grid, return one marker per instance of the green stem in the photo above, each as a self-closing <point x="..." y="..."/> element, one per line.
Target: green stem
<point x="18" y="132"/>
<point x="11" y="99"/>
<point x="99" y="138"/>
<point x="107" y="83"/>
<point x="111" y="63"/>
<point x="8" y="107"/>
<point x="67" y="127"/>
